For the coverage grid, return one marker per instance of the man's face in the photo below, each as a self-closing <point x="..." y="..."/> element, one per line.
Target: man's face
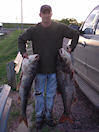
<point x="46" y="16"/>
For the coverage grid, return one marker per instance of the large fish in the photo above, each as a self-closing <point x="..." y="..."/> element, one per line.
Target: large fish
<point x="29" y="70"/>
<point x="65" y="83"/>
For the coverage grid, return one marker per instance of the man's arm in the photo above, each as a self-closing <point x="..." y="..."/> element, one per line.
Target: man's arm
<point x="71" y="34"/>
<point x="22" y="40"/>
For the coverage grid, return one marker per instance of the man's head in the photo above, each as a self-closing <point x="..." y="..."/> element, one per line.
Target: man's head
<point x="46" y="13"/>
<point x="45" y="8"/>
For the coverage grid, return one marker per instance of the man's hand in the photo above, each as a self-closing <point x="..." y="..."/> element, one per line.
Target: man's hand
<point x="25" y="55"/>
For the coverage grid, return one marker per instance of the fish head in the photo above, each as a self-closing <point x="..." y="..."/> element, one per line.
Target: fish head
<point x="32" y="61"/>
<point x="33" y="58"/>
<point x="64" y="59"/>
<point x="65" y="56"/>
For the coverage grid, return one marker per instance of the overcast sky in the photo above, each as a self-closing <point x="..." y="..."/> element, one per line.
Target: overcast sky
<point x="10" y="10"/>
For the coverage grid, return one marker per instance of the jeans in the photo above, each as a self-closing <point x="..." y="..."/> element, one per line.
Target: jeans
<point x="45" y="91"/>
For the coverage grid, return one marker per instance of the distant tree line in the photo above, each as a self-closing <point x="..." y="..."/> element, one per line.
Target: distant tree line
<point x="69" y="21"/>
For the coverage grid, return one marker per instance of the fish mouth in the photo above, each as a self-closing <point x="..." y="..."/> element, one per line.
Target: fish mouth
<point x="37" y="57"/>
<point x="61" y="52"/>
<point x="64" y="54"/>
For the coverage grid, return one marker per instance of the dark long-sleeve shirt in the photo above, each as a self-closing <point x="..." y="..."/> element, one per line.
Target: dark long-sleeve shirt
<point x="46" y="41"/>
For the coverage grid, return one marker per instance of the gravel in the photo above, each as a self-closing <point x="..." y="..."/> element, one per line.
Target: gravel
<point x="85" y="114"/>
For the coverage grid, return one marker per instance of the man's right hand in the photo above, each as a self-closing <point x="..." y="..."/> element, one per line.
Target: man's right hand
<point x="25" y="55"/>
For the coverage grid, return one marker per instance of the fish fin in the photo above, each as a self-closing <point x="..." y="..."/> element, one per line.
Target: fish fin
<point x="18" y="85"/>
<point x="24" y="119"/>
<point x="76" y="84"/>
<point x="65" y="118"/>
<point x="75" y="100"/>
<point x="18" y="100"/>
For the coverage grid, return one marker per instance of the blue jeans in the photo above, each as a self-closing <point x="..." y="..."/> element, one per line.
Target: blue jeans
<point x="45" y="91"/>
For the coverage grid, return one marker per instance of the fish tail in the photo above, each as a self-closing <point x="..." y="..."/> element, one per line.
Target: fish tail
<point x="75" y="100"/>
<point x="65" y="118"/>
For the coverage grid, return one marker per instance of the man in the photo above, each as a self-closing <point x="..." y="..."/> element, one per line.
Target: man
<point x="46" y="38"/>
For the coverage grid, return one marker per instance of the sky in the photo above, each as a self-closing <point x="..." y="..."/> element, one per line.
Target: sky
<point x="10" y="10"/>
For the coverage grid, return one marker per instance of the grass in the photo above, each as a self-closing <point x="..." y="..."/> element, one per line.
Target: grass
<point x="14" y="114"/>
<point x="49" y="129"/>
<point x="8" y="52"/>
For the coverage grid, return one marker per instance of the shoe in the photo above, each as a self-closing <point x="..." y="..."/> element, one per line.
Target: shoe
<point x="39" y="124"/>
<point x="24" y="119"/>
<point x="51" y="123"/>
